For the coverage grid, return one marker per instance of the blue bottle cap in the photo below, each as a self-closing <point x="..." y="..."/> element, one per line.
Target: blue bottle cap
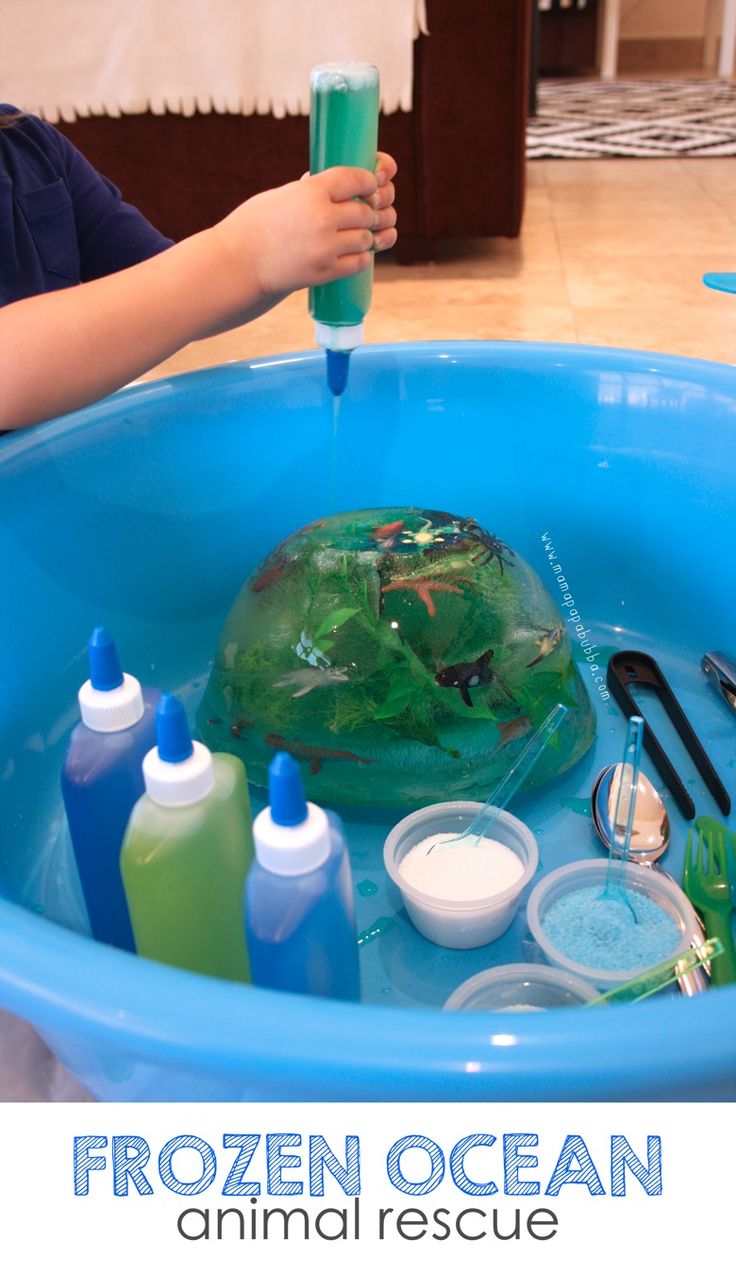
<point x="290" y="837"/>
<point x="285" y="791"/>
<point x="338" y="364"/>
<point x="172" y="731"/>
<point x="105" y="672"/>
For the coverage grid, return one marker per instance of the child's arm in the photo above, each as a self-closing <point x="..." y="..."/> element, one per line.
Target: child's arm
<point x="64" y="349"/>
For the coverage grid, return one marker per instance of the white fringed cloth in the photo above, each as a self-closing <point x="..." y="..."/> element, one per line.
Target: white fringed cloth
<point x="62" y="59"/>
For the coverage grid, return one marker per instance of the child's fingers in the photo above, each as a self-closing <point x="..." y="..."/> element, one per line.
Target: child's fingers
<point x="385" y="219"/>
<point x="385" y="240"/>
<point x="348" y="183"/>
<point x="360" y="214"/>
<point x="351" y="241"/>
<point x="358" y="241"/>
<point x="356" y="214"/>
<point x="353" y="263"/>
<point x="384" y="197"/>
<point x="357" y="237"/>
<point x="386" y="168"/>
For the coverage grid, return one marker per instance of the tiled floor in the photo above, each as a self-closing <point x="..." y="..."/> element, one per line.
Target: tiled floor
<point x="611" y="253"/>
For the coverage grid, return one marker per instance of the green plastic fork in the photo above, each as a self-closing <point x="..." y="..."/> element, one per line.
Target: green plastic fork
<point x="707" y="885"/>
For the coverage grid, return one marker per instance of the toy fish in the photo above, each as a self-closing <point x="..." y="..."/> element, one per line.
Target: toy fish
<point x="315" y="756"/>
<point x="307" y="650"/>
<point x="510" y="730"/>
<point x="387" y="535"/>
<point x="465" y="676"/>
<point x="547" y="642"/>
<point x="270" y="575"/>
<point x="311" y="678"/>
<point x="238" y="727"/>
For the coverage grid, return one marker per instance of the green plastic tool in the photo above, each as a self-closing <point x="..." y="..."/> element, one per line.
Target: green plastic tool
<point x="712" y="827"/>
<point x="661" y="975"/>
<point x="706" y="883"/>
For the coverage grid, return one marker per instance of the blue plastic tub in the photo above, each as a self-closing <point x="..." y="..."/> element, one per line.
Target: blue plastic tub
<point x="147" y="511"/>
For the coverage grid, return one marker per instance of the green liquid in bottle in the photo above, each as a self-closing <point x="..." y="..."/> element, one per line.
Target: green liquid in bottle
<point x="343" y="129"/>
<point x="184" y="873"/>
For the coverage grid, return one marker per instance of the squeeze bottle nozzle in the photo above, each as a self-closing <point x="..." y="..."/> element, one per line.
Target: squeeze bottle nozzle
<point x="110" y="700"/>
<point x="172" y="731"/>
<point x="337" y="371"/>
<point x="291" y="836"/>
<point x="177" y="772"/>
<point x="105" y="672"/>
<point x="285" y="791"/>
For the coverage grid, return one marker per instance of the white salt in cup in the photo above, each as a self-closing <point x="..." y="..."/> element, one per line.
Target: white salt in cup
<point x="592" y="874"/>
<point x="459" y="925"/>
<point x="520" y="988"/>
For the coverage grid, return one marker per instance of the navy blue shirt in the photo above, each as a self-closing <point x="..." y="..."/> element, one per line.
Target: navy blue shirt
<point x="61" y="222"/>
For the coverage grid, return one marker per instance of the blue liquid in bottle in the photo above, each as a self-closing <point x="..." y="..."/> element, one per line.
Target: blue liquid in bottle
<point x="102" y="779"/>
<point x="300" y="923"/>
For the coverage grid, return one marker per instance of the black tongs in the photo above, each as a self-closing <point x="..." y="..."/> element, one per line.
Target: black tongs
<point x="631" y="667"/>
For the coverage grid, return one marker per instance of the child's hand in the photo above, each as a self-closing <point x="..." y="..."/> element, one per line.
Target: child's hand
<point x="385" y="173"/>
<point x="91" y="339"/>
<point x="312" y="231"/>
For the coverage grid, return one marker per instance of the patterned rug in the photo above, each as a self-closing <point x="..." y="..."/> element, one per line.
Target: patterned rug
<point x="656" y="119"/>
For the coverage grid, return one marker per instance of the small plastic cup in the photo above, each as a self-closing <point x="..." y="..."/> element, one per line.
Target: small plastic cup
<point x="520" y="988"/>
<point x="459" y="925"/>
<point x="592" y="874"/>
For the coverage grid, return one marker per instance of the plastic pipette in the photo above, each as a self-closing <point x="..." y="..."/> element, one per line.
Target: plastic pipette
<point x="506" y="789"/>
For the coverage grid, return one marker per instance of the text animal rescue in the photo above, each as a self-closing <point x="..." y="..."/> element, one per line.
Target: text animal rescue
<point x="416" y="1165"/>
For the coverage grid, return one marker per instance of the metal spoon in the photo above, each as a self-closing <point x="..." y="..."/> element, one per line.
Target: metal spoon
<point x="650" y="833"/>
<point x="650" y="837"/>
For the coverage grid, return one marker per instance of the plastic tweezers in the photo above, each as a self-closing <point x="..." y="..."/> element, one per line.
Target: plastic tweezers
<point x="632" y="667"/>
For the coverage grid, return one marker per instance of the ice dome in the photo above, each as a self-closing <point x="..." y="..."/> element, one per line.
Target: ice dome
<point x="401" y="655"/>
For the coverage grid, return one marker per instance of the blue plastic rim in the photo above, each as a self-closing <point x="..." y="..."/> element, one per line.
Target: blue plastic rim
<point x="146" y="512"/>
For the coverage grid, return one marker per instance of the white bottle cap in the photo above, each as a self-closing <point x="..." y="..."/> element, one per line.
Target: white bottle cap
<point x="107" y="711"/>
<point x="292" y="850"/>
<point x="175" y="784"/>
<point x="339" y="339"/>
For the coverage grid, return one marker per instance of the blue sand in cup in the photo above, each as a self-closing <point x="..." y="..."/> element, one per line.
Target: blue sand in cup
<point x="601" y="932"/>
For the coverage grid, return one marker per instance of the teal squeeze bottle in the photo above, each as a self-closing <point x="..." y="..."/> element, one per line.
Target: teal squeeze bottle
<point x="343" y="129"/>
<point x="101" y="781"/>
<point x="186" y="852"/>
<point x="299" y="914"/>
